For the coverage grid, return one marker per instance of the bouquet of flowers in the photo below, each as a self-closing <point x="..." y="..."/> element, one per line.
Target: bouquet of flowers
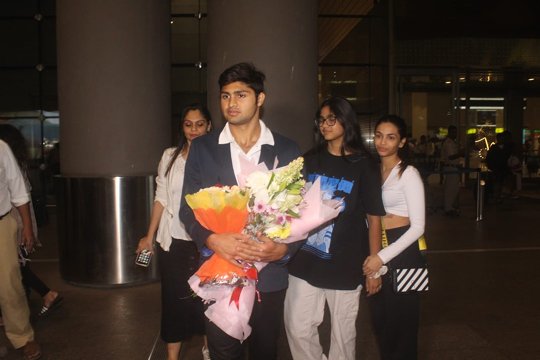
<point x="275" y="199"/>
<point x="275" y="203"/>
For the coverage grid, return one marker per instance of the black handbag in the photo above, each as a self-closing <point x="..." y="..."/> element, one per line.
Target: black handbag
<point x="410" y="280"/>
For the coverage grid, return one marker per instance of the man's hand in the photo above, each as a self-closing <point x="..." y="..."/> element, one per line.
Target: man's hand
<point x="28" y="239"/>
<point x="230" y="246"/>
<point x="27" y="229"/>
<point x="265" y="249"/>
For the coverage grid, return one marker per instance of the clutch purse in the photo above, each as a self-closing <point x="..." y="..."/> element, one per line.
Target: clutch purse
<point x="410" y="280"/>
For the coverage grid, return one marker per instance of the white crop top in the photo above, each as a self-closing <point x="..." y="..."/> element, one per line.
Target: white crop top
<point x="404" y="196"/>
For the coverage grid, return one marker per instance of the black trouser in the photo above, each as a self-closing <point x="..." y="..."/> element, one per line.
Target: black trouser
<point x="32" y="282"/>
<point x="265" y="321"/>
<point x="395" y="317"/>
<point x="395" y="322"/>
<point x="181" y="312"/>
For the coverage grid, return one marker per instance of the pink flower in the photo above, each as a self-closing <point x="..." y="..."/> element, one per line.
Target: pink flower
<point x="281" y="219"/>
<point x="259" y="207"/>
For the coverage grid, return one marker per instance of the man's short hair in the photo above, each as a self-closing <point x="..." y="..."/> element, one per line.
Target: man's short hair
<point x="246" y="73"/>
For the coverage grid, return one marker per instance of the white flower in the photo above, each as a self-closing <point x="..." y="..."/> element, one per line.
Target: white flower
<point x="258" y="181"/>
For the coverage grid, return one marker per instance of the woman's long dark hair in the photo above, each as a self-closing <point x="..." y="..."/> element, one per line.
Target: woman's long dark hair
<point x="17" y="143"/>
<point x="345" y="114"/>
<point x="403" y="152"/>
<point x="182" y="141"/>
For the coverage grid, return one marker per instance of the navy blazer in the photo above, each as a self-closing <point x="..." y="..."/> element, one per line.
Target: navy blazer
<point x="209" y="163"/>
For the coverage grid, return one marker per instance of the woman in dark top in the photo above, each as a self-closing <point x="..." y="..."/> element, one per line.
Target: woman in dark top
<point x="328" y="267"/>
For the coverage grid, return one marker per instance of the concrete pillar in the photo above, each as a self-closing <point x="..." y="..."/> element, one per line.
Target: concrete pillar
<point x="114" y="102"/>
<point x="280" y="38"/>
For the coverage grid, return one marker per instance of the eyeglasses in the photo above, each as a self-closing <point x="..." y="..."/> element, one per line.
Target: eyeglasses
<point x="330" y="120"/>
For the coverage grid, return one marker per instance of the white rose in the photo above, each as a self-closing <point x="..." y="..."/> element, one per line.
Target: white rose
<point x="257" y="181"/>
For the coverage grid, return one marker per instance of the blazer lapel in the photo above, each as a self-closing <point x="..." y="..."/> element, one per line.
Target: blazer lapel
<point x="268" y="156"/>
<point x="226" y="174"/>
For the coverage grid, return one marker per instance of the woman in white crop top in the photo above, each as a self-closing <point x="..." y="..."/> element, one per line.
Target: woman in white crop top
<point x="396" y="316"/>
<point x="181" y="313"/>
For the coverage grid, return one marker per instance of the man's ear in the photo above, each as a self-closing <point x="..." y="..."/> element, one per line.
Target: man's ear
<point x="260" y="99"/>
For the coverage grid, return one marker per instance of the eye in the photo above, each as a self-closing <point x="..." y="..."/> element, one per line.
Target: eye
<point x="242" y="95"/>
<point x="188" y="124"/>
<point x="201" y="123"/>
<point x="225" y="96"/>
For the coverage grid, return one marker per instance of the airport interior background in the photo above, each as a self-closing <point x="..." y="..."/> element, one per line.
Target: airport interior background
<point x="472" y="64"/>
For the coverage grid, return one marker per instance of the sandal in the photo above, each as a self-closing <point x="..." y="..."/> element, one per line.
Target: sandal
<point x="31" y="351"/>
<point x="45" y="310"/>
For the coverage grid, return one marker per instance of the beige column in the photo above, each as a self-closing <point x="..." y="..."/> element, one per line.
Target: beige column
<point x="114" y="101"/>
<point x="280" y="38"/>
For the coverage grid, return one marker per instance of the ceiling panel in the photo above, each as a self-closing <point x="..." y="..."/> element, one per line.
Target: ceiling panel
<point x="332" y="30"/>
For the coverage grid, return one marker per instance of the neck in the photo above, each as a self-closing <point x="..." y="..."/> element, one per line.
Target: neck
<point x="389" y="162"/>
<point x="334" y="147"/>
<point x="246" y="135"/>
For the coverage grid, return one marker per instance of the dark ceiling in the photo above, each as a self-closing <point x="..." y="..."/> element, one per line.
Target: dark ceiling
<point x="422" y="19"/>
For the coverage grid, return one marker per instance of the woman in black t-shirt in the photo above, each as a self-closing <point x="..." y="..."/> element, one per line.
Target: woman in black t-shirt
<point x="328" y="267"/>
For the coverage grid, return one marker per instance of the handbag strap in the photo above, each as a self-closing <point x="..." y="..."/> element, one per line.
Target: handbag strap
<point x="421" y="240"/>
<point x="383" y="235"/>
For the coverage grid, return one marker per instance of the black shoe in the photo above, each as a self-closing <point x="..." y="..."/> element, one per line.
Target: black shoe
<point x="46" y="310"/>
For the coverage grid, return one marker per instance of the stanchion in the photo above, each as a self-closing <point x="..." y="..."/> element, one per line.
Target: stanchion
<point x="480" y="185"/>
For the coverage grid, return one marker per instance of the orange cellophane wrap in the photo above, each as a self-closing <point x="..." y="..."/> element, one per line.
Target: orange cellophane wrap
<point x="228" y="220"/>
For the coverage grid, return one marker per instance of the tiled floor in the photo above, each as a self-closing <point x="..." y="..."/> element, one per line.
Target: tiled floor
<point x="484" y="301"/>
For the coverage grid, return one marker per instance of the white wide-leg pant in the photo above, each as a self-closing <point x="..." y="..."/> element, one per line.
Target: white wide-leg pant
<point x="304" y="312"/>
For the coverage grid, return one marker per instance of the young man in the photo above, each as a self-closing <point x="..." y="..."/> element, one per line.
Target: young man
<point x="15" y="312"/>
<point x="214" y="159"/>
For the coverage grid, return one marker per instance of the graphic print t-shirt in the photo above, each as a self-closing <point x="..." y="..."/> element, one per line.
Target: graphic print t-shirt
<point x="333" y="254"/>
